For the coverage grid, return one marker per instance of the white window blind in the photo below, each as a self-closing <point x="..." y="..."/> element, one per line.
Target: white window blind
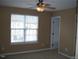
<point x="24" y="28"/>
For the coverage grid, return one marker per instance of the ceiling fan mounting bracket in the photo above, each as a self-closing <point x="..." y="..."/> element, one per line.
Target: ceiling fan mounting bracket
<point x="40" y="4"/>
<point x="40" y="1"/>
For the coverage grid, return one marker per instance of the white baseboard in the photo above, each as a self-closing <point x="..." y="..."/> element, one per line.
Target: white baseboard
<point x="70" y="57"/>
<point x="13" y="53"/>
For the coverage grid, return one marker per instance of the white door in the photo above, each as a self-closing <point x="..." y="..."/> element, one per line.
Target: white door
<point x="55" y="22"/>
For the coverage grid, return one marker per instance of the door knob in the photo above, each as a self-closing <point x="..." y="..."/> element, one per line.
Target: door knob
<point x="52" y="33"/>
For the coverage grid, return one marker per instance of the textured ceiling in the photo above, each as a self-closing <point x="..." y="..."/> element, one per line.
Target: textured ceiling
<point x="59" y="4"/>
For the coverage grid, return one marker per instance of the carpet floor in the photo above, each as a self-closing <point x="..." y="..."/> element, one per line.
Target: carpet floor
<point x="50" y="54"/>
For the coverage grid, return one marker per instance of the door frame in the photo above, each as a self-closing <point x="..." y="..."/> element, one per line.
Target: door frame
<point x="59" y="32"/>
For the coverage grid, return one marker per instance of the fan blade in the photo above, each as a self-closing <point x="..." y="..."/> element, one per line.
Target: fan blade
<point x="47" y="4"/>
<point x="33" y="7"/>
<point x="51" y="7"/>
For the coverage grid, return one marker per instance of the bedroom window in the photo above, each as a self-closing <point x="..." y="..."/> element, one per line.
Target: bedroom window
<point x="24" y="28"/>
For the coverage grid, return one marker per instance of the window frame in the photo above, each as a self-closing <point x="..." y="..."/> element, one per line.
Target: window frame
<point x="24" y="29"/>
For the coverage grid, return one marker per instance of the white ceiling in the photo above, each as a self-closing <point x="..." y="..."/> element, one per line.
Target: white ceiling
<point x="59" y="4"/>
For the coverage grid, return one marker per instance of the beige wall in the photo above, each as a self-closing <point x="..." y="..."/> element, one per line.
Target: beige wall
<point x="43" y="32"/>
<point x="67" y="30"/>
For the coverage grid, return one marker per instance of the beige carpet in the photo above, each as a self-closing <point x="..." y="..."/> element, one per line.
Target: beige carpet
<point x="50" y="54"/>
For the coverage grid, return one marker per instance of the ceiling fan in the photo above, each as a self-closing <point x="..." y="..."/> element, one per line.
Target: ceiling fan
<point x="41" y="6"/>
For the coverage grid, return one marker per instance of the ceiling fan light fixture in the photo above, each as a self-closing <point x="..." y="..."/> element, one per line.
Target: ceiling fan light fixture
<point x="40" y="9"/>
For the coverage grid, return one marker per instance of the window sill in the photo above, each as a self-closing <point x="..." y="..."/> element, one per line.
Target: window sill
<point x="24" y="43"/>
